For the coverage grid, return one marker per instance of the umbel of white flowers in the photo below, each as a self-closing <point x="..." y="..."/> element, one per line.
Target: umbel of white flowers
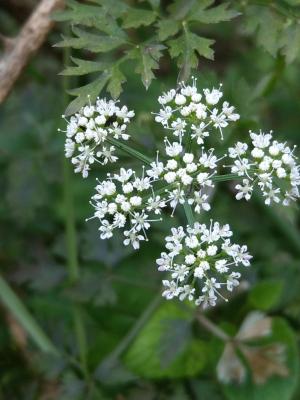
<point x="88" y="130"/>
<point x="200" y="259"/>
<point x="200" y="262"/>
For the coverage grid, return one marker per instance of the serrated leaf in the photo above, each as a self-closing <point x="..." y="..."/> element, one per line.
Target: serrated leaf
<point x="90" y="41"/>
<point x="136" y="17"/>
<point x="77" y="13"/>
<point x="114" y="86"/>
<point x="180" y="9"/>
<point x="167" y="28"/>
<point x="194" y="42"/>
<point x="144" y="357"/>
<point x="86" y="93"/>
<point x="185" y="48"/>
<point x="115" y="8"/>
<point x="84" y="67"/>
<point x="212" y="15"/>
<point x="147" y="58"/>
<point x="90" y="16"/>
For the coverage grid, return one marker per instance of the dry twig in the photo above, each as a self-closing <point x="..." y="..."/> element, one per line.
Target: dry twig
<point x="18" y="51"/>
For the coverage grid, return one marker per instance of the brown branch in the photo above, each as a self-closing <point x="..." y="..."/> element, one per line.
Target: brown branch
<point x="30" y="38"/>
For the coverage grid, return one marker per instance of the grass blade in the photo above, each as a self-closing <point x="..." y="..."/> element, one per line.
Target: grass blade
<point x="20" y="312"/>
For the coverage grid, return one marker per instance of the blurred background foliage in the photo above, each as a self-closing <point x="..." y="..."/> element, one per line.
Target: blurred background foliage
<point x="88" y="322"/>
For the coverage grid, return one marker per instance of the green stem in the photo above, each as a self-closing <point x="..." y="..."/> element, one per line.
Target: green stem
<point x="71" y="242"/>
<point x="189" y="213"/>
<point x="19" y="311"/>
<point x="138" y="155"/>
<point x="70" y="228"/>
<point x="81" y="339"/>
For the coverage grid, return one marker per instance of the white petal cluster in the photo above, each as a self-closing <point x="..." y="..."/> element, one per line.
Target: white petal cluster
<point x="125" y="201"/>
<point x="190" y="175"/>
<point x="88" y="130"/>
<point x="187" y="111"/>
<point x="268" y="164"/>
<point x="201" y="262"/>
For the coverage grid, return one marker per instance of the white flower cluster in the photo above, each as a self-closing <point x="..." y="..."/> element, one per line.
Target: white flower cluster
<point x="268" y="164"/>
<point x="200" y="262"/>
<point x="187" y="171"/>
<point x="88" y="130"/>
<point x="125" y="201"/>
<point x="187" y="111"/>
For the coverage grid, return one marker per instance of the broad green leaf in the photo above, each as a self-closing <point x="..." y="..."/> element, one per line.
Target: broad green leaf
<point x="84" y="67"/>
<point x="167" y="28"/>
<point x="213" y="15"/>
<point x="144" y="355"/>
<point x="86" y="93"/>
<point x="177" y="334"/>
<point x="147" y="58"/>
<point x="90" y="41"/>
<point x="136" y="17"/>
<point x="114" y="86"/>
<point x="276" y="388"/>
<point x="265" y="295"/>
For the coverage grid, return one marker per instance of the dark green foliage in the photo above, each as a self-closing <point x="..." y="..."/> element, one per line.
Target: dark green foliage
<point x="103" y="29"/>
<point x="115" y="338"/>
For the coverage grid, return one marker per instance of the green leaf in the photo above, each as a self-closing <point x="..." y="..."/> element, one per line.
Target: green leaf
<point x="290" y="41"/>
<point x="115" y="8"/>
<point x="77" y="13"/>
<point x="19" y="311"/>
<point x="180" y="9"/>
<point x="267" y="24"/>
<point x="90" y="16"/>
<point x="147" y="58"/>
<point x="136" y="17"/>
<point x="117" y="78"/>
<point x="212" y="15"/>
<point x="90" y="41"/>
<point x="265" y="295"/>
<point x="177" y="334"/>
<point x="191" y="43"/>
<point x="144" y="355"/>
<point x="167" y="28"/>
<point x="86" y="93"/>
<point x="276" y="388"/>
<point x="84" y="67"/>
<point x="185" y="48"/>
